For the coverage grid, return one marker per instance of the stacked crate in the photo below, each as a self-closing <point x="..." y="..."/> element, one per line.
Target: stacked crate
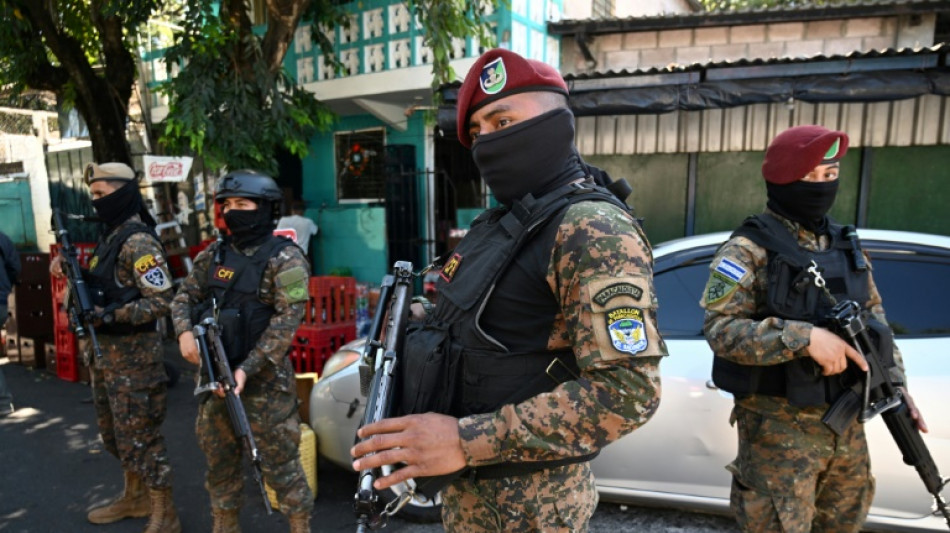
<point x="329" y="323"/>
<point x="64" y="351"/>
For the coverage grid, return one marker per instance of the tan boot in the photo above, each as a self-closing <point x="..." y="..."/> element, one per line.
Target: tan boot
<point x="300" y="523"/>
<point x="163" y="518"/>
<point x="225" y="520"/>
<point x="132" y="503"/>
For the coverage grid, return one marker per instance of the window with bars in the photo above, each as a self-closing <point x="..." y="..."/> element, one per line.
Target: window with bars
<point x="359" y="164"/>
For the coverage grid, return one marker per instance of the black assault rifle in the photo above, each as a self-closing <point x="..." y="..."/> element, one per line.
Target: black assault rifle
<point x="81" y="310"/>
<point x="218" y="372"/>
<point x="377" y="378"/>
<point x="880" y="396"/>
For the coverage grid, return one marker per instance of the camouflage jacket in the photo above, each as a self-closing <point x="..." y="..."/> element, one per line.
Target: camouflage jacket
<point x="734" y="335"/>
<point x="141" y="263"/>
<point x="288" y="304"/>
<point x="600" y="272"/>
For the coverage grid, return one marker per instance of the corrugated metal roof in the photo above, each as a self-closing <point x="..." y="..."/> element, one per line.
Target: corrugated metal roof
<point x="874" y="60"/>
<point x="835" y="10"/>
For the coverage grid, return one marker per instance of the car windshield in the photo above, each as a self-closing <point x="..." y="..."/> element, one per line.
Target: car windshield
<point x="912" y="283"/>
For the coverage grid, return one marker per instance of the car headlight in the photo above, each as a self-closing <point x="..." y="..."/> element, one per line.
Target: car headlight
<point x="339" y="361"/>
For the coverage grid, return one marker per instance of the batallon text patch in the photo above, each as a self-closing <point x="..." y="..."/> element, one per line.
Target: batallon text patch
<point x="451" y="267"/>
<point x="223" y="273"/>
<point x="617" y="289"/>
<point x="145" y="263"/>
<point x="156" y="279"/>
<point x="626" y="329"/>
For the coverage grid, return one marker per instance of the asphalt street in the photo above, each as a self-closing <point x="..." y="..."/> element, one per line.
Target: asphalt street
<point x="54" y="469"/>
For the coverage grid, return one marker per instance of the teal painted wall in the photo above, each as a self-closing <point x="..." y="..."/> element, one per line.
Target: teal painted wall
<point x="16" y="212"/>
<point x="353" y="234"/>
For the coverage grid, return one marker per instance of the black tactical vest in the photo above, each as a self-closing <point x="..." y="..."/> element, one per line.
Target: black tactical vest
<point x="104" y="288"/>
<point x="794" y="295"/>
<point x="234" y="280"/>
<point x="454" y="367"/>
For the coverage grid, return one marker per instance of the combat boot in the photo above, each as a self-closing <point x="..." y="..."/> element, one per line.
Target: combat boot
<point x="225" y="520"/>
<point x="132" y="503"/>
<point x="300" y="523"/>
<point x="163" y="518"/>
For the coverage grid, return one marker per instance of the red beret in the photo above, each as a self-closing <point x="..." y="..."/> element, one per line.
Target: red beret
<point x="499" y="73"/>
<point x="796" y="151"/>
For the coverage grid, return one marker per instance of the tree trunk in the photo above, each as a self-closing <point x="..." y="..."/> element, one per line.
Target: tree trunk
<point x="282" y="19"/>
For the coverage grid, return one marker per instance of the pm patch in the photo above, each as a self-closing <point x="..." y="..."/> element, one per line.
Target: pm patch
<point x="156" y="279"/>
<point x="626" y="329"/>
<point x="617" y="289"/>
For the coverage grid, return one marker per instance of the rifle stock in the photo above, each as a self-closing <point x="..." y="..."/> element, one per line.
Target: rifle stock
<point x="377" y="379"/>
<point x="82" y="311"/>
<point x="215" y="362"/>
<point x="881" y="396"/>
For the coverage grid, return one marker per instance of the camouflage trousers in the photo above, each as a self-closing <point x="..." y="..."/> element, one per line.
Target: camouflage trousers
<point x="129" y="391"/>
<point x="795" y="475"/>
<point x="275" y="425"/>
<point x="557" y="499"/>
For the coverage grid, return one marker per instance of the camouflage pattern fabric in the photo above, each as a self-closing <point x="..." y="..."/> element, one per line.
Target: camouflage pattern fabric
<point x="129" y="380"/>
<point x="792" y="437"/>
<point x="557" y="499"/>
<point x="270" y="394"/>
<point x="601" y="273"/>
<point x="794" y="475"/>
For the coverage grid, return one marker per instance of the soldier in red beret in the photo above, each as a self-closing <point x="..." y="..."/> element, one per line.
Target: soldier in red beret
<point x="543" y="345"/>
<point x="767" y="299"/>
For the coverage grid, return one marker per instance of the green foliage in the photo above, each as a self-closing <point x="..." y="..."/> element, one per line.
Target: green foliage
<point x="731" y="5"/>
<point x="443" y="20"/>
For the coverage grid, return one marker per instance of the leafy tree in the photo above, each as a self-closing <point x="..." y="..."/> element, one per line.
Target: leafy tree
<point x="81" y="50"/>
<point x="233" y="102"/>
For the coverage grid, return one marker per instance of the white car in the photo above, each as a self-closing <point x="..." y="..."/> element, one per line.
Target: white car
<point x="677" y="459"/>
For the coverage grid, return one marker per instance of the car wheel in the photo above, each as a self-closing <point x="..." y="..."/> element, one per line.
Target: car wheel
<point x="419" y="509"/>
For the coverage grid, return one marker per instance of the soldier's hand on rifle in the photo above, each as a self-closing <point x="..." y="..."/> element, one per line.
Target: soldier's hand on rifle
<point x="913" y="411"/>
<point x="832" y="353"/>
<point x="240" y="378"/>
<point x="188" y="347"/>
<point x="56" y="267"/>
<point x="428" y="444"/>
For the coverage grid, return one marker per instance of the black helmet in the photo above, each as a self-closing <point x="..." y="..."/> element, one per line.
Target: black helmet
<point x="247" y="184"/>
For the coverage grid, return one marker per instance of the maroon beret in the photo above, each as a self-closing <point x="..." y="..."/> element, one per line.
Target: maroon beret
<point x="499" y="73"/>
<point x="796" y="151"/>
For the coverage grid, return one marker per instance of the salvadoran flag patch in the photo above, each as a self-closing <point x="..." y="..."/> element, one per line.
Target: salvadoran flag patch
<point x="731" y="270"/>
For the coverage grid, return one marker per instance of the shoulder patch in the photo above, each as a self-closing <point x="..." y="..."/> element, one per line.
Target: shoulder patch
<point x="293" y="282"/>
<point x="156" y="279"/>
<point x="145" y="263"/>
<point x="626" y="329"/>
<point x="719" y="287"/>
<point x="617" y="289"/>
<point x="448" y="271"/>
<point x="731" y="270"/>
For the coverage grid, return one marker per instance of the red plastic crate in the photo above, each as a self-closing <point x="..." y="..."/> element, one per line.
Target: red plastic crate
<point x="312" y="346"/>
<point x="332" y="301"/>
<point x="67" y="364"/>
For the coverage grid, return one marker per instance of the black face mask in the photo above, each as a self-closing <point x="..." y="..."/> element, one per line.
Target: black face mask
<point x="805" y="202"/>
<point x="119" y="205"/>
<point x="249" y="227"/>
<point x="534" y="156"/>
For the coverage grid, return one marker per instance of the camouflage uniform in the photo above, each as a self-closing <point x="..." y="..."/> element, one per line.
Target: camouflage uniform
<point x="792" y="473"/>
<point x="129" y="382"/>
<point x="596" y="248"/>
<point x="269" y="396"/>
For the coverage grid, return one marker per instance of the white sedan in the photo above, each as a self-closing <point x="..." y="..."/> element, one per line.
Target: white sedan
<point x="677" y="459"/>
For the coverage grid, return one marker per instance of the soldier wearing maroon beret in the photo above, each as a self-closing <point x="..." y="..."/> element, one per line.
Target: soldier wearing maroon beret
<point x="546" y="315"/>
<point x="765" y="307"/>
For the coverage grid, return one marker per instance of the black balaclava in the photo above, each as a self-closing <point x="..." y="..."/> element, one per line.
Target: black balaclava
<point x="805" y="202"/>
<point x="534" y="156"/>
<point x="250" y="227"/>
<point x="120" y="205"/>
